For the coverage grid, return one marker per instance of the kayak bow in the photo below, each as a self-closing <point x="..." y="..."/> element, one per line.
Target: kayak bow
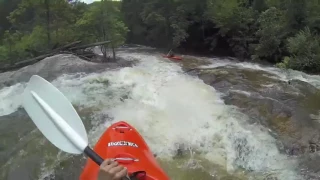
<point x="122" y="142"/>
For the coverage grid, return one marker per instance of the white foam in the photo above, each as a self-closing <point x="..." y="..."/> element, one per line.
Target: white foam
<point x="10" y="98"/>
<point x="170" y="108"/>
<point x="246" y="93"/>
<point x="281" y="74"/>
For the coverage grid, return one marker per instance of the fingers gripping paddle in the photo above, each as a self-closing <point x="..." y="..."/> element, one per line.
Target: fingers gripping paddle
<point x="56" y="118"/>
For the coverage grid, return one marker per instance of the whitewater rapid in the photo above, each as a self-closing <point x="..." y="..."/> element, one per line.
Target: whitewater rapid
<point x="171" y="110"/>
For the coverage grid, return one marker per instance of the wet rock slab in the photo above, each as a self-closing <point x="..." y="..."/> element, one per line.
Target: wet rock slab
<point x="25" y="152"/>
<point x="52" y="67"/>
<point x="289" y="109"/>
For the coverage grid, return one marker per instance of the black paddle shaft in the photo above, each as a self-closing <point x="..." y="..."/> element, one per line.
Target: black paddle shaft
<point x="93" y="155"/>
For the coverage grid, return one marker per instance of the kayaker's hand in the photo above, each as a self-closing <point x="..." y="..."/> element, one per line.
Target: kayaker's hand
<point x="111" y="170"/>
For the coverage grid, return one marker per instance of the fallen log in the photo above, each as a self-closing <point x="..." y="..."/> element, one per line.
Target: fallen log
<point x="90" y="45"/>
<point x="31" y="60"/>
<point x="68" y="49"/>
<point x="25" y="62"/>
<point x="54" y="51"/>
<point x="83" y="56"/>
<point x="67" y="46"/>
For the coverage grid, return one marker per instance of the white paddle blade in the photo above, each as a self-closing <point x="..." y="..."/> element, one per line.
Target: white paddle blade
<point x="54" y="116"/>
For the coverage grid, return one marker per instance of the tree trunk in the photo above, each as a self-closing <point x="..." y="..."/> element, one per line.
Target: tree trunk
<point x="103" y="28"/>
<point x="47" y="6"/>
<point x="113" y="53"/>
<point x="104" y="52"/>
<point x="202" y="29"/>
<point x="10" y="53"/>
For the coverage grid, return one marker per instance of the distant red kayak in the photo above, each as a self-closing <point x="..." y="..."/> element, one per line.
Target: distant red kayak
<point x="123" y="142"/>
<point x="173" y="57"/>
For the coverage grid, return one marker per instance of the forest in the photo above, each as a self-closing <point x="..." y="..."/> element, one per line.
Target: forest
<point x="282" y="32"/>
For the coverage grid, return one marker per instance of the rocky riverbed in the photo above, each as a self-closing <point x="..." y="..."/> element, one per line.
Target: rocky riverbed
<point x="204" y="117"/>
<point x="284" y="101"/>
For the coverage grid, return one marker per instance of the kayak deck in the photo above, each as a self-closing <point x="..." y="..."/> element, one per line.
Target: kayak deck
<point x="123" y="142"/>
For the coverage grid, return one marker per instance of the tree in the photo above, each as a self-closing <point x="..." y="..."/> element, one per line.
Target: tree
<point x="304" y="48"/>
<point x="271" y="33"/>
<point x="259" y="5"/>
<point x="296" y="14"/>
<point x="53" y="16"/>
<point x="32" y="12"/>
<point x="257" y="29"/>
<point x="131" y="10"/>
<point x="235" y="22"/>
<point x="6" y="6"/>
<point x="313" y="15"/>
<point x="102" y="21"/>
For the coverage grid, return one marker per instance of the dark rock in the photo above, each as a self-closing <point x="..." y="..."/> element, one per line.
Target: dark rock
<point x="303" y="86"/>
<point x="180" y="151"/>
<point x="278" y="106"/>
<point x="68" y="169"/>
<point x="12" y="128"/>
<point x="52" y="67"/>
<point x="222" y="86"/>
<point x="208" y="78"/>
<point x="309" y="165"/>
<point x="26" y="169"/>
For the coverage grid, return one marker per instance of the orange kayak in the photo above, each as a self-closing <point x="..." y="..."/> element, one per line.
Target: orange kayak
<point x="123" y="142"/>
<point x="173" y="57"/>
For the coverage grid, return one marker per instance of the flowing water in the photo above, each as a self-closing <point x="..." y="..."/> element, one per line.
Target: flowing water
<point x="199" y="124"/>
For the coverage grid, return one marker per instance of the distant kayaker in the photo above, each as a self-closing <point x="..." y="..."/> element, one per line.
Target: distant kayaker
<point x="170" y="53"/>
<point x="111" y="170"/>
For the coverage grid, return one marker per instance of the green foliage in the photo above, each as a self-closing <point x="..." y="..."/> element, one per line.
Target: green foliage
<point x="35" y="40"/>
<point x="271" y="33"/>
<point x="38" y="26"/>
<point x="284" y="64"/>
<point x="274" y="3"/>
<point x="224" y="15"/>
<point x="102" y="21"/>
<point x="6" y="6"/>
<point x="130" y="10"/>
<point x="270" y="30"/>
<point x="259" y="5"/>
<point x="91" y="19"/>
<point x="4" y="53"/>
<point x="296" y="14"/>
<point x="116" y="33"/>
<point x="10" y="46"/>
<point x="161" y="23"/>
<point x="313" y="15"/>
<point x="304" y="48"/>
<point x="235" y="21"/>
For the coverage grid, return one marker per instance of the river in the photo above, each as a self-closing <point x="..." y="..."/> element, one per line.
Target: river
<point x="204" y="118"/>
